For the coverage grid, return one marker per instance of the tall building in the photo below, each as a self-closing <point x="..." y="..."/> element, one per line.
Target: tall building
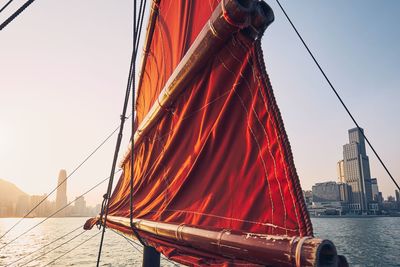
<point x="80" y="206"/>
<point x="345" y="193"/>
<point x="375" y="189"/>
<point x="61" y="198"/>
<point x="43" y="209"/>
<point x="340" y="171"/>
<point x="356" y="171"/>
<point x="397" y="195"/>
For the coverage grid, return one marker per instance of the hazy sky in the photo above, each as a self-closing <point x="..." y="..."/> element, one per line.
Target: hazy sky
<point x="63" y="71"/>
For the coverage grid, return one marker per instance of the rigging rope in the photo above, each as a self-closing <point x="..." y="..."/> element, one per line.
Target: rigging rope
<point x="42" y="247"/>
<point x="140" y="24"/>
<point x="51" y="250"/>
<point x="5" y="6"/>
<point x="15" y="14"/>
<point x="54" y="213"/>
<point x="76" y="168"/>
<point x="133" y="122"/>
<point x="133" y="243"/>
<point x="106" y="196"/>
<point x="72" y="249"/>
<point x="128" y="240"/>
<point x="130" y="83"/>
<point x="137" y="29"/>
<point x="337" y="95"/>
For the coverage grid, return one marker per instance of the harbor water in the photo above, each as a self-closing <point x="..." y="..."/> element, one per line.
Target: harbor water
<point x="364" y="242"/>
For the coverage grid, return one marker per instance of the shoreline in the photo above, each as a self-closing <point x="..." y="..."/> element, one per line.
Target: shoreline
<point x="354" y="216"/>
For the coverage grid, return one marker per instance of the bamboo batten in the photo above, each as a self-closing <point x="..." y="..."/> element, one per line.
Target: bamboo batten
<point x="250" y="16"/>
<point x="269" y="250"/>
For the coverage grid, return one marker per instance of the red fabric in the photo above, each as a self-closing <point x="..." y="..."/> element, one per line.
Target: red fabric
<point x="177" y="25"/>
<point x="220" y="156"/>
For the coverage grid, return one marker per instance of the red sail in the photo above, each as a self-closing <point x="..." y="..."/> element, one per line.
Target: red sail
<point x="219" y="156"/>
<point x="176" y="26"/>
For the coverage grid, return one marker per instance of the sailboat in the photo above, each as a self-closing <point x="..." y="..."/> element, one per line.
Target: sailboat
<point x="214" y="179"/>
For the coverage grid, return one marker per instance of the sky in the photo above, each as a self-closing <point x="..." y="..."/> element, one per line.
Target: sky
<point x="64" y="67"/>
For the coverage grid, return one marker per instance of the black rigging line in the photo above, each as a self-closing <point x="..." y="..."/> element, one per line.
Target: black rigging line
<point x="137" y="28"/>
<point x="42" y="247"/>
<point x="115" y="157"/>
<point x="72" y="249"/>
<point x="54" y="213"/>
<point x="133" y="117"/>
<point x="76" y="168"/>
<point x="15" y="14"/>
<point x="133" y="122"/>
<point x="337" y="95"/>
<point x="5" y="6"/>
<point x="130" y="82"/>
<point x="140" y="24"/>
<point x="133" y="243"/>
<point x="51" y="250"/>
<point x="128" y="240"/>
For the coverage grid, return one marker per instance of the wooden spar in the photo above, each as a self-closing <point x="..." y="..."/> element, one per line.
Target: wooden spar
<point x="230" y="16"/>
<point x="262" y="249"/>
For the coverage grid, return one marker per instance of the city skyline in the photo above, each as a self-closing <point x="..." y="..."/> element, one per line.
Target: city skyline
<point x="16" y="203"/>
<point x="61" y="92"/>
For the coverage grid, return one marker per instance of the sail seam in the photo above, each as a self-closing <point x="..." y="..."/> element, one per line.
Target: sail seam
<point x="280" y="145"/>
<point x="228" y="218"/>
<point x="262" y="126"/>
<point x="256" y="141"/>
<point x="288" y="153"/>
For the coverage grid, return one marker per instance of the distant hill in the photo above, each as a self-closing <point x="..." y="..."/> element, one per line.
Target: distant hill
<point x="9" y="192"/>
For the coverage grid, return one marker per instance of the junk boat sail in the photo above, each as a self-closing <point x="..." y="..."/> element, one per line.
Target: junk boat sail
<point x="214" y="178"/>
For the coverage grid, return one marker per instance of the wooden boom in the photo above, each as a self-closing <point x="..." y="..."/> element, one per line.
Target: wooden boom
<point x="270" y="250"/>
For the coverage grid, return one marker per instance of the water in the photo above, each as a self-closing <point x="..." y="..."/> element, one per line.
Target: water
<point x="364" y="241"/>
<point x="116" y="250"/>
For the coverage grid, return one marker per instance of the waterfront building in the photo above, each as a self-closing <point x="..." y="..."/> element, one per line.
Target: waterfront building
<point x="357" y="171"/>
<point x="80" y="206"/>
<point x="340" y="171"/>
<point x="380" y="198"/>
<point x="7" y="209"/>
<point x="43" y="210"/>
<point x="345" y="192"/>
<point x="325" y="192"/>
<point x="22" y="206"/>
<point x="397" y="195"/>
<point x="307" y="197"/>
<point x="327" y="198"/>
<point x="61" y="197"/>
<point x="374" y="189"/>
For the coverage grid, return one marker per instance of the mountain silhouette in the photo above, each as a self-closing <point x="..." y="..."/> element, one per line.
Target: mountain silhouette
<point x="9" y="192"/>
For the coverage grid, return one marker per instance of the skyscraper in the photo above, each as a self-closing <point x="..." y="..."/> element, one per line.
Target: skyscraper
<point x="61" y="198"/>
<point x="375" y="189"/>
<point x="340" y="171"/>
<point x="356" y="171"/>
